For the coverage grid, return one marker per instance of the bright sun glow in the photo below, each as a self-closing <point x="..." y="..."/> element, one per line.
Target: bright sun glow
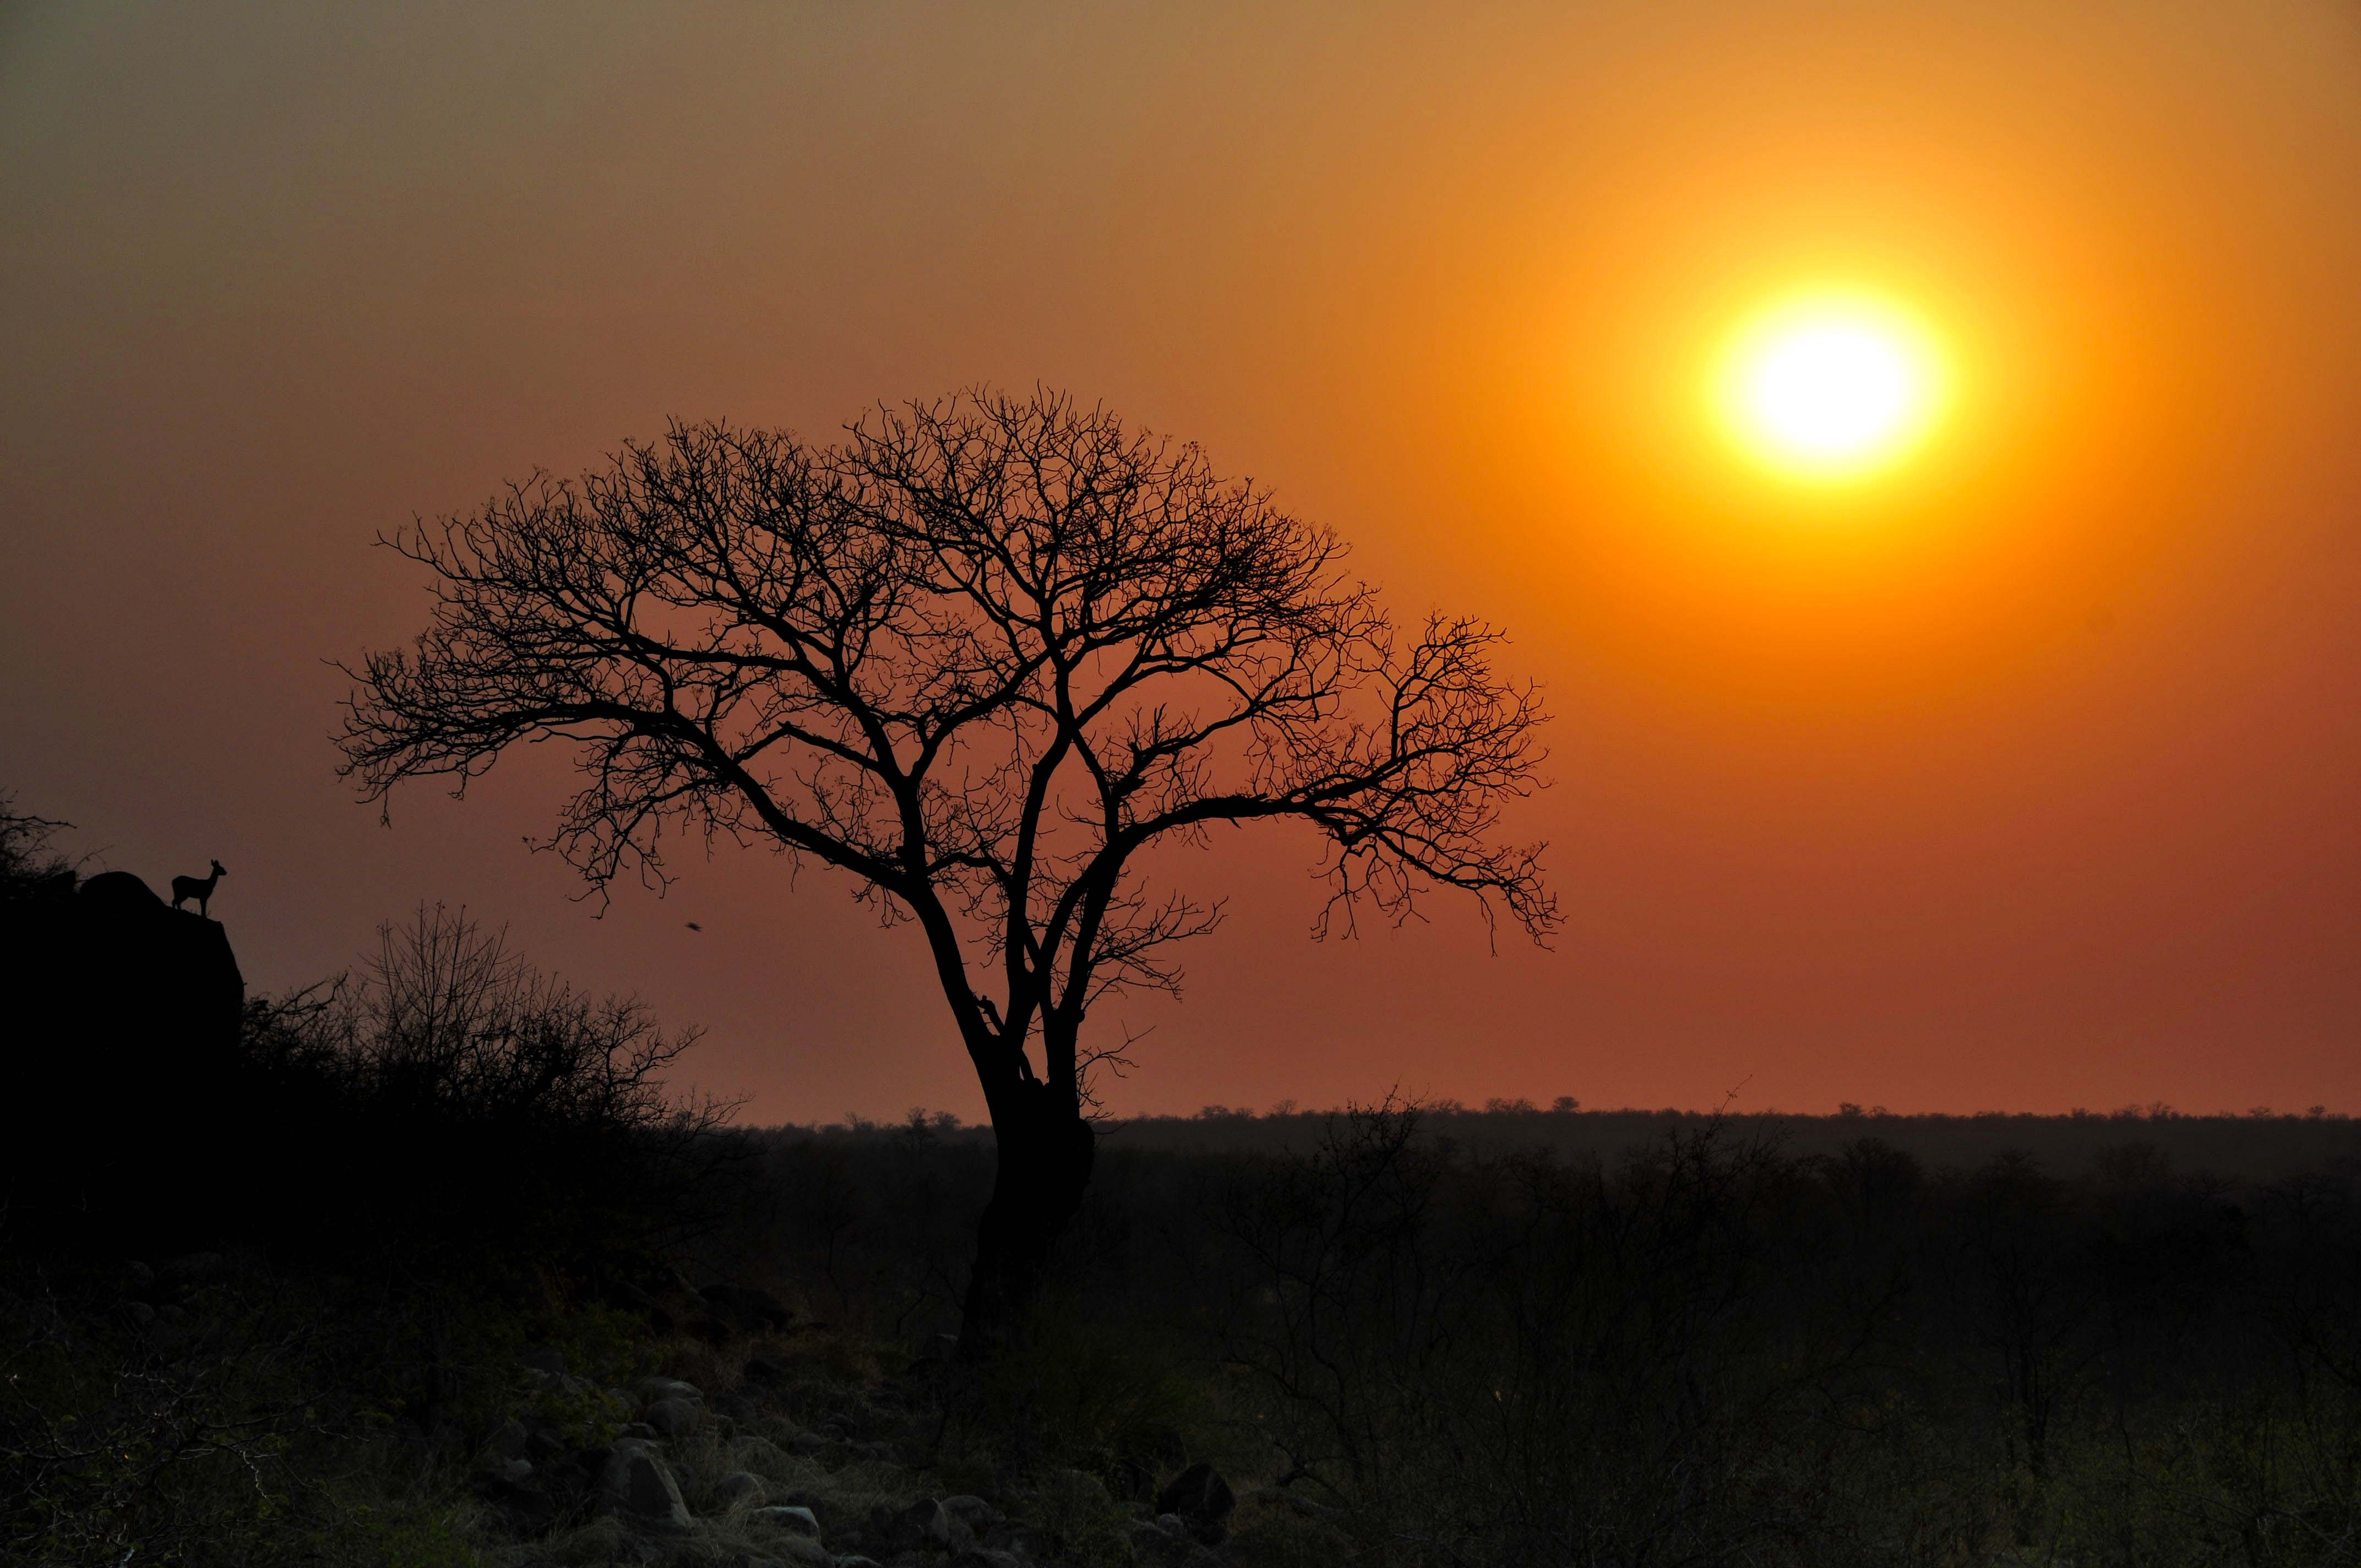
<point x="1830" y="386"/>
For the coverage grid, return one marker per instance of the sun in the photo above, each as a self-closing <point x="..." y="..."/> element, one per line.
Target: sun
<point x="1830" y="386"/>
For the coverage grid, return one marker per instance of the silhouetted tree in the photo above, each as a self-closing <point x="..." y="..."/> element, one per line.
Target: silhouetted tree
<point x="28" y="865"/>
<point x="981" y="656"/>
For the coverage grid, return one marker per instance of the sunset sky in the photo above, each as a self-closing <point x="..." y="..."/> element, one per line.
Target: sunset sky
<point x="2019" y="768"/>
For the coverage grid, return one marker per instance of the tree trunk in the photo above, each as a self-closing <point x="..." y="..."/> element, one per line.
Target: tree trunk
<point x="1045" y="1154"/>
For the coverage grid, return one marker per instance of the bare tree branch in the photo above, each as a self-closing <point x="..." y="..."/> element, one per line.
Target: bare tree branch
<point x="981" y="655"/>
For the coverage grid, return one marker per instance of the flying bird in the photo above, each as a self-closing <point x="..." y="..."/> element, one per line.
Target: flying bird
<point x="693" y="925"/>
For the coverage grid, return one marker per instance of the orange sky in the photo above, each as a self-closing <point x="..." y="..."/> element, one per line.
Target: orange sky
<point x="2028" y="776"/>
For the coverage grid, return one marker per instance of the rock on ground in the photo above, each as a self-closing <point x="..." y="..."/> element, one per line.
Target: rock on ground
<point x="738" y="1490"/>
<point x="674" y="1418"/>
<point x="971" y="1512"/>
<point x="788" y="1519"/>
<point x="1203" y="1501"/>
<point x="638" y="1484"/>
<point x="921" y="1526"/>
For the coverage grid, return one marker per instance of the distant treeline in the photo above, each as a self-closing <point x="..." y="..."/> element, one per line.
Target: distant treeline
<point x="2260" y="1146"/>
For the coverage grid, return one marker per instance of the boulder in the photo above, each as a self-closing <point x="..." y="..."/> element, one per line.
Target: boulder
<point x="1203" y="1500"/>
<point x="514" y="1471"/>
<point x="787" y="1519"/>
<point x="637" y="1485"/>
<point x="1150" y="1542"/>
<point x="738" y="1489"/>
<point x="925" y="1525"/>
<point x="971" y="1512"/>
<point x="674" y="1418"/>
<point x="651" y="1389"/>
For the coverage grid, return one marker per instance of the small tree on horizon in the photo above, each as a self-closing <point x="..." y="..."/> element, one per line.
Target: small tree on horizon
<point x="982" y="657"/>
<point x="27" y="864"/>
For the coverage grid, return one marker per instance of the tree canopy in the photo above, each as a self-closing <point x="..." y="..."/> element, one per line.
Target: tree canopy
<point x="980" y="656"/>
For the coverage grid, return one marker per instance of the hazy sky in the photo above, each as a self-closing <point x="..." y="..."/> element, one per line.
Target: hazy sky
<point x="2027" y="776"/>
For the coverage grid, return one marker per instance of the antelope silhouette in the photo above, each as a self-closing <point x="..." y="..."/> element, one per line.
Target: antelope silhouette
<point x="200" y="888"/>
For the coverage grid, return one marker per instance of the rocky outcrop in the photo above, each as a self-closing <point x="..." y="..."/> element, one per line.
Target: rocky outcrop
<point x="121" y="1032"/>
<point x="683" y="1483"/>
<point x="113" y="971"/>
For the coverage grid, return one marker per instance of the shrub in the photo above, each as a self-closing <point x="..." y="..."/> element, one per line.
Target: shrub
<point x="452" y="1103"/>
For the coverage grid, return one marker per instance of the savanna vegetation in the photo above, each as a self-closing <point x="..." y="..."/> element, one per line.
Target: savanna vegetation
<point x="1731" y="1340"/>
<point x="452" y="1224"/>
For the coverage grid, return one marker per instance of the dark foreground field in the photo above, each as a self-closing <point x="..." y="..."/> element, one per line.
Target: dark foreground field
<point x="466" y="1327"/>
